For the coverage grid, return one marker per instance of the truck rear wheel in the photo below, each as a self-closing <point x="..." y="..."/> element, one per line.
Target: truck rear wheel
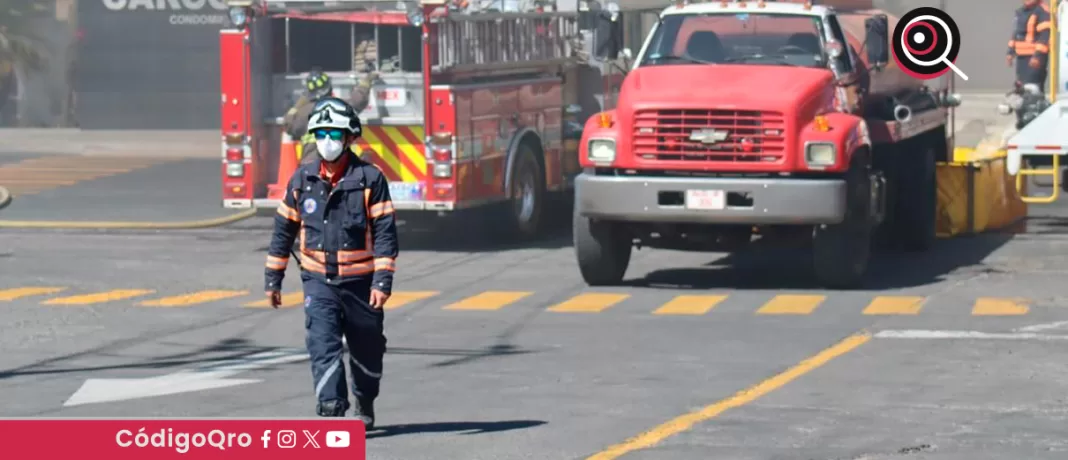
<point x="603" y="250"/>
<point x="840" y="252"/>
<point x="916" y="206"/>
<point x="528" y="194"/>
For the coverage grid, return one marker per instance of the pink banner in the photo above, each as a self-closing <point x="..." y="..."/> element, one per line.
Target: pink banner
<point x="132" y="439"/>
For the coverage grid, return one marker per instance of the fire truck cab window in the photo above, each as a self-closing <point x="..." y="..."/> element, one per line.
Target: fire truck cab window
<point x="739" y="39"/>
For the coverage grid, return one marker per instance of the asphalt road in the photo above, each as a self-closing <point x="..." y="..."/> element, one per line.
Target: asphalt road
<point x="501" y="352"/>
<point x="513" y="374"/>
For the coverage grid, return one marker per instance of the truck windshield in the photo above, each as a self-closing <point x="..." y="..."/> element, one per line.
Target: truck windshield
<point x="756" y="39"/>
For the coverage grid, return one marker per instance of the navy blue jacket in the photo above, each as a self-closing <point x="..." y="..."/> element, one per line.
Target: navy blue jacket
<point x="346" y="232"/>
<point x="1030" y="31"/>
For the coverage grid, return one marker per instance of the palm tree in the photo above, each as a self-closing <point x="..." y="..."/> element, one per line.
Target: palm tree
<point x="20" y="44"/>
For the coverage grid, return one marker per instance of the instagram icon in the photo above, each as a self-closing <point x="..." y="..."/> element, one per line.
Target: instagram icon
<point x="287" y="439"/>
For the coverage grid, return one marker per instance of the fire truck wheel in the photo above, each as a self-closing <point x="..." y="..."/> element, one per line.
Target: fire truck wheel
<point x="840" y="252"/>
<point x="917" y="200"/>
<point x="528" y="194"/>
<point x="602" y="249"/>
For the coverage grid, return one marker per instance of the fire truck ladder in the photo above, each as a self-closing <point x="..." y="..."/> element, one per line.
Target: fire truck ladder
<point x="1047" y="134"/>
<point x="489" y="41"/>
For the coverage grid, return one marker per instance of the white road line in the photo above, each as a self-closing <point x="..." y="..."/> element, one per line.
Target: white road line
<point x="1043" y="327"/>
<point x="965" y="335"/>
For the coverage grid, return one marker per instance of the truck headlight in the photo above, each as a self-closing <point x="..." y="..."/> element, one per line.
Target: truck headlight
<point x="601" y="150"/>
<point x="820" y="154"/>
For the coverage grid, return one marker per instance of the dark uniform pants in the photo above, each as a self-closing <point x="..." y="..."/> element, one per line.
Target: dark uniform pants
<point x="333" y="311"/>
<point x="1027" y="74"/>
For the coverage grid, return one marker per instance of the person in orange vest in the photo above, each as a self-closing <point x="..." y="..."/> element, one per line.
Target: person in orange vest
<point x="1029" y="43"/>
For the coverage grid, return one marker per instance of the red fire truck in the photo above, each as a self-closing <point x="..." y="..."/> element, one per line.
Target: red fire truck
<point x="471" y="108"/>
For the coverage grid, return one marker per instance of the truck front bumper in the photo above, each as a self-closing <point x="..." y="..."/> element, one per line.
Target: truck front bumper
<point x="755" y="201"/>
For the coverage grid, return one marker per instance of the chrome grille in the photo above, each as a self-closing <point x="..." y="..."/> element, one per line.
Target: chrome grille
<point x="709" y="135"/>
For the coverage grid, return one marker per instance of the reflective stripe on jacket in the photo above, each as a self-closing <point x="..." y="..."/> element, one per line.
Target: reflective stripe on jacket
<point x="1031" y="31"/>
<point x="345" y="232"/>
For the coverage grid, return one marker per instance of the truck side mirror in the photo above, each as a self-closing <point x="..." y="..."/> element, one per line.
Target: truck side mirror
<point x="877" y="40"/>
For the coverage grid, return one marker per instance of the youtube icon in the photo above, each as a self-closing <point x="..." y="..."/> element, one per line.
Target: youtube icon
<point x="337" y="439"/>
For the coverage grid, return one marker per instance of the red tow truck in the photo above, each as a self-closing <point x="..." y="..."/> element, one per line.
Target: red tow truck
<point x="766" y="117"/>
<point x="472" y="108"/>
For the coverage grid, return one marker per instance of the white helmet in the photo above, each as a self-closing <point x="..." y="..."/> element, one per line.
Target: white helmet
<point x="334" y="113"/>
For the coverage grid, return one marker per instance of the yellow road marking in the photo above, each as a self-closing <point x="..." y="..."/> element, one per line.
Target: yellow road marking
<point x="21" y="173"/>
<point x="38" y="181"/>
<point x="685" y="422"/>
<point x="894" y="305"/>
<point x="63" y="170"/>
<point x="75" y="161"/>
<point x="99" y="297"/>
<point x="588" y="303"/>
<point x="7" y="295"/>
<point x="289" y="299"/>
<point x="489" y="300"/>
<point x="192" y="298"/>
<point x="791" y="305"/>
<point x="991" y="306"/>
<point x="690" y="305"/>
<point x="400" y="299"/>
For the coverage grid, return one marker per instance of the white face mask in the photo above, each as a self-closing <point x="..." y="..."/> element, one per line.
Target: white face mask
<point x="329" y="149"/>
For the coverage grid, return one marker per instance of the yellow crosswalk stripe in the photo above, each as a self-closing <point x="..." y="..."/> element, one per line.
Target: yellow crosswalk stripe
<point x="489" y="300"/>
<point x="98" y="297"/>
<point x="588" y="303"/>
<point x="402" y="298"/>
<point x="192" y="298"/>
<point x="7" y="295"/>
<point x="989" y="306"/>
<point x="791" y="305"/>
<point x="690" y="305"/>
<point x="895" y="305"/>
<point x="38" y="174"/>
<point x="289" y="300"/>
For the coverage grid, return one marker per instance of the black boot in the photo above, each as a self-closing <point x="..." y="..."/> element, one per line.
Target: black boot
<point x="334" y="408"/>
<point x="365" y="411"/>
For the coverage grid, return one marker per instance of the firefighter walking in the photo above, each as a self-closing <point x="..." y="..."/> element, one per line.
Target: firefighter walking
<point x="1029" y="43"/>
<point x="318" y="85"/>
<point x="342" y="211"/>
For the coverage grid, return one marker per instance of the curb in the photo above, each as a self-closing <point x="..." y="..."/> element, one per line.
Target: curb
<point x="80" y="225"/>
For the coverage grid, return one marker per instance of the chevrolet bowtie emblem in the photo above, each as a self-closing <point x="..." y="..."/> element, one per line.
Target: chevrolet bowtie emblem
<point x="709" y="136"/>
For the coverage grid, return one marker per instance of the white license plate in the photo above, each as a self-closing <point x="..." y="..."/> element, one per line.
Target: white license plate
<point x="706" y="199"/>
<point x="406" y="191"/>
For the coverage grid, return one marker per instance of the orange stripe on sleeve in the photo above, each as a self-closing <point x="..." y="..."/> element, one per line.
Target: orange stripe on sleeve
<point x="277" y="263"/>
<point x="385" y="264"/>
<point x="289" y="213"/>
<point x="381" y="209"/>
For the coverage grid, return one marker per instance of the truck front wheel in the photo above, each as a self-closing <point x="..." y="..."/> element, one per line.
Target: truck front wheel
<point x="840" y="252"/>
<point x="528" y="193"/>
<point x="603" y="250"/>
